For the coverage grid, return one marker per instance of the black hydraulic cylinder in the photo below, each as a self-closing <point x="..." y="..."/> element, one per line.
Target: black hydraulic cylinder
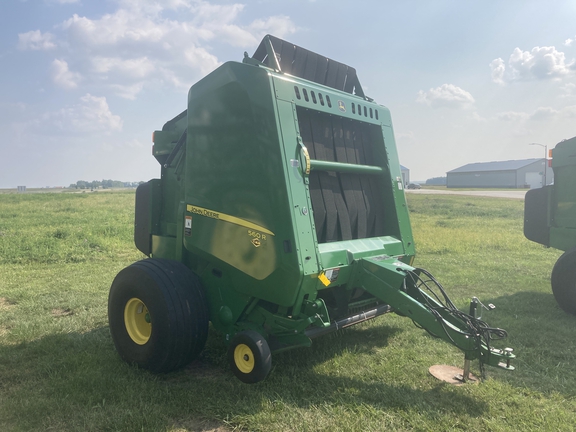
<point x="348" y="321"/>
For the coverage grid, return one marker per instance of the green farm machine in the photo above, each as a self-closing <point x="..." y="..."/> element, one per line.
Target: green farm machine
<point x="550" y="219"/>
<point x="279" y="216"/>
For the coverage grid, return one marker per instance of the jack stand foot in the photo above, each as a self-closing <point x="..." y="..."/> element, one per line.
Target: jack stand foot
<point x="452" y="374"/>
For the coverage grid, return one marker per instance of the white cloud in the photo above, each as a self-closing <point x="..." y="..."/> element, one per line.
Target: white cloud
<point x="62" y="76"/>
<point x="36" y="40"/>
<point x="544" y="113"/>
<point x="541" y="114"/>
<point x="280" y="26"/>
<point x="477" y="117"/>
<point x="569" y="41"/>
<point x="127" y="91"/>
<point x="91" y="115"/>
<point x="498" y="69"/>
<point x="569" y="111"/>
<point x="447" y="95"/>
<point x="199" y="57"/>
<point x="512" y="116"/>
<point x="538" y="63"/>
<point x="569" y="90"/>
<point x="132" y="68"/>
<point x="144" y="43"/>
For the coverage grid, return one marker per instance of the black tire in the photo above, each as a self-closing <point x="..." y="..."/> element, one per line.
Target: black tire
<point x="564" y="281"/>
<point x="249" y="357"/>
<point x="168" y="296"/>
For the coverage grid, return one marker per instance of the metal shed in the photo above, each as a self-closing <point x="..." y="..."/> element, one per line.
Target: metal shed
<point x="526" y="173"/>
<point x="405" y="175"/>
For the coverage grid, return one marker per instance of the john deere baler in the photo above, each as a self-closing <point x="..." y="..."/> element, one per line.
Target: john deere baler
<point x="279" y="216"/>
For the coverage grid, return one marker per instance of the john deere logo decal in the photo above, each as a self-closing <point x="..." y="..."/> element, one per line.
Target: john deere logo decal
<point x="341" y="106"/>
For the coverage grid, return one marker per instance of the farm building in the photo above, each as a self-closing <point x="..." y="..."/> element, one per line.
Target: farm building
<point x="405" y="174"/>
<point x="526" y="173"/>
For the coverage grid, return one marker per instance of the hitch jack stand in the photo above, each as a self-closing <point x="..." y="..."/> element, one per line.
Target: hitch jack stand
<point x="454" y="375"/>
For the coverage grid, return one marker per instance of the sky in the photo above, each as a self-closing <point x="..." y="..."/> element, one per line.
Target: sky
<point x="84" y="83"/>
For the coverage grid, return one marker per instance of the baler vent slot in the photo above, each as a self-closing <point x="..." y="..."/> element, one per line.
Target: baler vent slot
<point x="315" y="100"/>
<point x="306" y="64"/>
<point x="346" y="205"/>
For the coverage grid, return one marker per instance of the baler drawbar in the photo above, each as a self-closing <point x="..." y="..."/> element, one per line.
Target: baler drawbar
<point x="279" y="216"/>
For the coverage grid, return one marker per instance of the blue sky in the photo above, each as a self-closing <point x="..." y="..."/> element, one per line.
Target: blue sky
<point x="84" y="83"/>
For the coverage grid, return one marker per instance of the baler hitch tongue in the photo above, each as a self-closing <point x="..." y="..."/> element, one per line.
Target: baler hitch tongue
<point x="509" y="357"/>
<point x="423" y="299"/>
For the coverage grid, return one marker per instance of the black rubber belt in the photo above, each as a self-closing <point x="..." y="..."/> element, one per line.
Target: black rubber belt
<point x="338" y="220"/>
<point x="347" y="182"/>
<point x="345" y="206"/>
<point x="356" y="199"/>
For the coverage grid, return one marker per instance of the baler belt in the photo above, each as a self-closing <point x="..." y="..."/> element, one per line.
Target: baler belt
<point x="362" y="141"/>
<point x="326" y="182"/>
<point x="338" y="222"/>
<point x="350" y="183"/>
<point x="345" y="206"/>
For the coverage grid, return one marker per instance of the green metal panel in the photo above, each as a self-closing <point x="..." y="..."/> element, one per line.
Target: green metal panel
<point x="236" y="193"/>
<point x="563" y="205"/>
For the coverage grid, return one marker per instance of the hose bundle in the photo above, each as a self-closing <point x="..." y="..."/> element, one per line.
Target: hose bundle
<point x="479" y="330"/>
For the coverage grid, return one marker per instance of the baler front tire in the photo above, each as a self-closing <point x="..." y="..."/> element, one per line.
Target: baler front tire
<point x="158" y="315"/>
<point x="564" y="281"/>
<point x="249" y="357"/>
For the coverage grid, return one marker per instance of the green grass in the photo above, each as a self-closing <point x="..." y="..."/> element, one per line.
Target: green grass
<point x="59" y="371"/>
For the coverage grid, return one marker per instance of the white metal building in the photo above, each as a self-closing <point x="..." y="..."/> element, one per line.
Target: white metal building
<point x="527" y="173"/>
<point x="405" y="175"/>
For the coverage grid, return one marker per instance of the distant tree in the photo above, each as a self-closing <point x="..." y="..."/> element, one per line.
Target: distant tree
<point x="106" y="184"/>
<point x="436" y="181"/>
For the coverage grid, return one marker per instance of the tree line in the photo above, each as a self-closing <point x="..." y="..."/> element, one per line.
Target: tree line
<point x="104" y="184"/>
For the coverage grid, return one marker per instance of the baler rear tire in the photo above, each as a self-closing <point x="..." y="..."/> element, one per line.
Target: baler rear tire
<point x="563" y="281"/>
<point x="249" y="357"/>
<point x="168" y="296"/>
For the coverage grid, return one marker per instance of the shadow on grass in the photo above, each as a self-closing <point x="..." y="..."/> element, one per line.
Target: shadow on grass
<point x="77" y="381"/>
<point x="542" y="336"/>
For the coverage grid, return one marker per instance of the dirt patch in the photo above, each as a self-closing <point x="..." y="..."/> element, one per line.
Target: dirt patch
<point x="6" y="303"/>
<point x="4" y="331"/>
<point x="199" y="426"/>
<point x="58" y="313"/>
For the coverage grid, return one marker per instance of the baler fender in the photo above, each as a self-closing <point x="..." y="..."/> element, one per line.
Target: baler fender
<point x="536" y="215"/>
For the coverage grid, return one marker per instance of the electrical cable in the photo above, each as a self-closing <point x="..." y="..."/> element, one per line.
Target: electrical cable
<point x="479" y="330"/>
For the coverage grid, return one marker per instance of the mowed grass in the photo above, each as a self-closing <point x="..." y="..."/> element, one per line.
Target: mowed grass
<point x="59" y="371"/>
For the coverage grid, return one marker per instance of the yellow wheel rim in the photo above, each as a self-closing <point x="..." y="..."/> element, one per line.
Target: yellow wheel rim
<point x="137" y="321"/>
<point x="244" y="358"/>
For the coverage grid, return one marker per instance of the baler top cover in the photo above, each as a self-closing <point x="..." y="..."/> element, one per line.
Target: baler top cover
<point x="300" y="62"/>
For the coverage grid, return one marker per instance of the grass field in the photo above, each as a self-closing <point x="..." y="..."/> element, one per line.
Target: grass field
<point x="59" y="371"/>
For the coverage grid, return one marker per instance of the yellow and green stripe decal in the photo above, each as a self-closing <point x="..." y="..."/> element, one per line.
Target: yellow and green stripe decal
<point x="226" y="218"/>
